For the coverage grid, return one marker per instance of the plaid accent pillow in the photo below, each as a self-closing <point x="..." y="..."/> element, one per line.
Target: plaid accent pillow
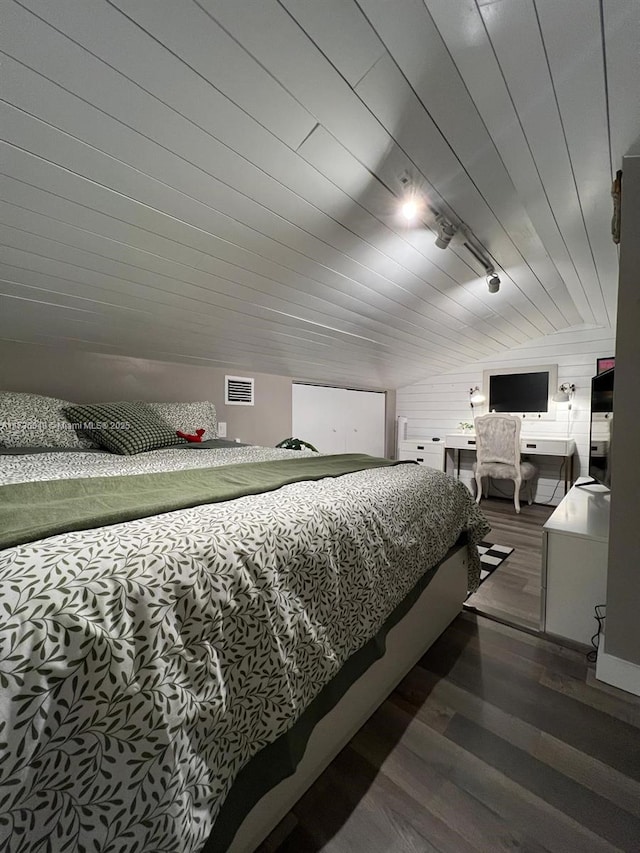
<point x="124" y="428"/>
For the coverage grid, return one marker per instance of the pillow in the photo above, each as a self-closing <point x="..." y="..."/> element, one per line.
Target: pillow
<point x="124" y="428"/>
<point x="31" y="420"/>
<point x="189" y="417"/>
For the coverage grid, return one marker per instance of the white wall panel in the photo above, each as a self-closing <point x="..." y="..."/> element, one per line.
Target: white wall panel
<point x="210" y="296"/>
<point x="107" y="33"/>
<point x="468" y="42"/>
<point x="288" y="269"/>
<point x="89" y="161"/>
<point x="420" y="138"/>
<point x="326" y="153"/>
<point x="342" y="33"/>
<point x="621" y="20"/>
<point x="513" y="29"/>
<point x="573" y="45"/>
<point x="421" y="56"/>
<point x="216" y="277"/>
<point x="385" y="328"/>
<point x="420" y="142"/>
<point x="185" y="30"/>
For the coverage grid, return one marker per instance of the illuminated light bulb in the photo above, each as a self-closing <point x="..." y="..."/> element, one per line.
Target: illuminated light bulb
<point x="410" y="210"/>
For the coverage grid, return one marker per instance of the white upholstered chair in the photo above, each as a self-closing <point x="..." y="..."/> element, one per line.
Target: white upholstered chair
<point x="498" y="454"/>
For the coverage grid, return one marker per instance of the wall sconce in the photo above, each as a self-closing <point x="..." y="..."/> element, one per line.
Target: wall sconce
<point x="565" y="393"/>
<point x="476" y="397"/>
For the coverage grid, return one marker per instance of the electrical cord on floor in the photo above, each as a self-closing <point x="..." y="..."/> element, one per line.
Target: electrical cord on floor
<point x="600" y="617"/>
<point x="560" y="480"/>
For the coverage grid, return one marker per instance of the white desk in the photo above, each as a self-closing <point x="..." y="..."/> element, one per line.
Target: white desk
<point x="534" y="446"/>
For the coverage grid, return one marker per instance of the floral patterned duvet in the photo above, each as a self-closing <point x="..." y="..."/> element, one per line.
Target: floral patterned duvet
<point x="144" y="663"/>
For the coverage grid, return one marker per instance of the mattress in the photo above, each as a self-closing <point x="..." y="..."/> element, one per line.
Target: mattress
<point x="146" y="662"/>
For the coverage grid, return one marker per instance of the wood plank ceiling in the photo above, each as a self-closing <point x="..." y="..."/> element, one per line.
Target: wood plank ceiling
<point x="217" y="181"/>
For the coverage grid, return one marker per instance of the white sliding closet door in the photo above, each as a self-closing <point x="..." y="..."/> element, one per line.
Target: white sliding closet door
<point x="315" y="417"/>
<point x="364" y="422"/>
<point x="337" y="420"/>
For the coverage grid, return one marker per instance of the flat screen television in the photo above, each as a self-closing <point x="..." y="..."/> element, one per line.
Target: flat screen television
<point x="519" y="392"/>
<point x="601" y="428"/>
<point x="523" y="391"/>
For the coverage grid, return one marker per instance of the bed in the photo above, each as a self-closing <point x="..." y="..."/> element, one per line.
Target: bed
<point x="149" y="663"/>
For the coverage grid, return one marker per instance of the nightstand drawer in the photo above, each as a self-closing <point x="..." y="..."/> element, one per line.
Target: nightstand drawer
<point x="547" y="446"/>
<point x="424" y="452"/>
<point x="460" y="441"/>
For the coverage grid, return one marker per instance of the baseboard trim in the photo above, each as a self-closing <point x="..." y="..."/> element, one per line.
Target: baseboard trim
<point x="618" y="672"/>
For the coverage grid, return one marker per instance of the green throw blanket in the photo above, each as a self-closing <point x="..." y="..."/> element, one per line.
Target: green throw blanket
<point x="32" y="511"/>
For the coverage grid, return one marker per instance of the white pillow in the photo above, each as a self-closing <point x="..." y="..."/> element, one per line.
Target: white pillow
<point x="31" y="420"/>
<point x="188" y="417"/>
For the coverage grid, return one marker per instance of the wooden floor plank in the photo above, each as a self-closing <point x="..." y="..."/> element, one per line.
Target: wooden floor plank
<point x="504" y="813"/>
<point x="498" y="740"/>
<point x="431" y="782"/>
<point x="543" y="659"/>
<point x="515" y="691"/>
<point x="587" y="808"/>
<point x="385" y="819"/>
<point x="451" y="700"/>
<point x="512" y="592"/>
<point x="593" y="694"/>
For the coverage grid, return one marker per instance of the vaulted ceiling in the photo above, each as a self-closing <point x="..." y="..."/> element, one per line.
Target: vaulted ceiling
<point x="217" y="181"/>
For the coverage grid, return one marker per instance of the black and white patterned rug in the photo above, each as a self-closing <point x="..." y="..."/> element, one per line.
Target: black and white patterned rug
<point x="491" y="556"/>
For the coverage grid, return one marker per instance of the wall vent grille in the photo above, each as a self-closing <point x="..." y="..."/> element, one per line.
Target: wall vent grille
<point x="238" y="391"/>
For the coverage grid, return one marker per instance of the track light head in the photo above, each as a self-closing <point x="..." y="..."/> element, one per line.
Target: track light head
<point x="446" y="231"/>
<point x="493" y="283"/>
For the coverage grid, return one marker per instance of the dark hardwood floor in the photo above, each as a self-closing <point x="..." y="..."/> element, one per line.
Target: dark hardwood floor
<point x="512" y="592"/>
<point x="496" y="741"/>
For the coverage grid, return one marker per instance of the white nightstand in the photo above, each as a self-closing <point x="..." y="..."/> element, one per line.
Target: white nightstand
<point x="424" y="451"/>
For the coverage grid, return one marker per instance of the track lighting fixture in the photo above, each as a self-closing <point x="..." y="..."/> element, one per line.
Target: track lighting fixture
<point x="493" y="282"/>
<point x="446" y="231"/>
<point x="413" y="205"/>
<point x="473" y="245"/>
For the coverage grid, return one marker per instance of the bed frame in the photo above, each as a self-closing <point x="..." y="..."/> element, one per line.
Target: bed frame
<point x="406" y="642"/>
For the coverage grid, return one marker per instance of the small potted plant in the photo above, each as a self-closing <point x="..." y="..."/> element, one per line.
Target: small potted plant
<point x="465" y="426"/>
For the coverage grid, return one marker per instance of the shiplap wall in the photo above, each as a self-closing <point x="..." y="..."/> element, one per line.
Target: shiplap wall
<point x="436" y="406"/>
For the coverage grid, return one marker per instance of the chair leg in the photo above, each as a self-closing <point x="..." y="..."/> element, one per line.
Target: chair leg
<point x="530" y="481"/>
<point x="478" y="488"/>
<point x="516" y="493"/>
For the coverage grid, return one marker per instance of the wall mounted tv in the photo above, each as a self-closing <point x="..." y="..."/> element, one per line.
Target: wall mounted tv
<point x="522" y="391"/>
